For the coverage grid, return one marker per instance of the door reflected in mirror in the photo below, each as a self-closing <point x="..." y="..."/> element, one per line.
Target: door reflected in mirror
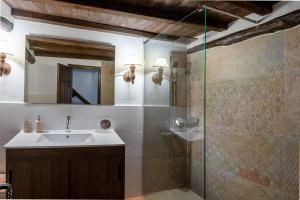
<point x="65" y="71"/>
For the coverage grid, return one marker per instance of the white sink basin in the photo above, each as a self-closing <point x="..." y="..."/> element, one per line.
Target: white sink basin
<point x="65" y="138"/>
<point x="61" y="139"/>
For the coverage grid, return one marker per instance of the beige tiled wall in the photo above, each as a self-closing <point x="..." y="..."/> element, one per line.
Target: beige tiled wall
<point x="164" y="161"/>
<point x="253" y="117"/>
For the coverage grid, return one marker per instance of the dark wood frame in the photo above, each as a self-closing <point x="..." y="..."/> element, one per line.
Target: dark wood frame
<point x="58" y="84"/>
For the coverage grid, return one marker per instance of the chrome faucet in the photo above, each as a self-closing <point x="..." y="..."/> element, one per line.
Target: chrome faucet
<point x="68" y="123"/>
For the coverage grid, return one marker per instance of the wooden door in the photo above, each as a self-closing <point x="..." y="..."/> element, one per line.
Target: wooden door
<point x="64" y="84"/>
<point x="38" y="179"/>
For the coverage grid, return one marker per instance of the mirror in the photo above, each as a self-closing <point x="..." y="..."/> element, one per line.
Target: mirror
<point x="66" y="71"/>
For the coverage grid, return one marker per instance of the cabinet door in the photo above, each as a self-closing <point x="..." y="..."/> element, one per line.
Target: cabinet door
<point x="101" y="177"/>
<point x="88" y="178"/>
<point x="38" y="179"/>
<point x="115" y="177"/>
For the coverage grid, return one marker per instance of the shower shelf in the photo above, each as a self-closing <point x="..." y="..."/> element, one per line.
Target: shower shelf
<point x="189" y="135"/>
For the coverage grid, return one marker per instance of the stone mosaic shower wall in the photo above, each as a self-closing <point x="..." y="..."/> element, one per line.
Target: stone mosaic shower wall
<point x="195" y="110"/>
<point x="253" y="118"/>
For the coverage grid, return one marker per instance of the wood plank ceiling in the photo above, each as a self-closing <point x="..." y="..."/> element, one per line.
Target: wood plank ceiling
<point x="66" y="48"/>
<point x="145" y="18"/>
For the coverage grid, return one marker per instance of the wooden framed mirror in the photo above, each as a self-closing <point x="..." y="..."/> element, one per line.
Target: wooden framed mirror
<point x="68" y="71"/>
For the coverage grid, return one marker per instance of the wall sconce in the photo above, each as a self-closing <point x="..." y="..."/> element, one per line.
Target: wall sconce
<point x="132" y="62"/>
<point x="162" y="64"/>
<point x="4" y="51"/>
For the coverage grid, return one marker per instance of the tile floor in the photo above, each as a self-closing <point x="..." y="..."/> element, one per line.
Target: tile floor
<point x="174" y="194"/>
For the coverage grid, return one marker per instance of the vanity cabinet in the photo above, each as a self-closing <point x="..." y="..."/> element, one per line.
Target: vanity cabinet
<point x="76" y="173"/>
<point x="33" y="179"/>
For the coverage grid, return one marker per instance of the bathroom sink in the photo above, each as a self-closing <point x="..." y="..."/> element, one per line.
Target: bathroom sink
<point x="65" y="138"/>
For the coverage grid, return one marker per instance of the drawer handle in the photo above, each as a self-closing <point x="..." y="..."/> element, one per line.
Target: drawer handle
<point x="10" y="176"/>
<point x="120" y="171"/>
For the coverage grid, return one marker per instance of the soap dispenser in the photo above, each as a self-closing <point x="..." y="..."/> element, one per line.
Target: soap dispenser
<point x="39" y="125"/>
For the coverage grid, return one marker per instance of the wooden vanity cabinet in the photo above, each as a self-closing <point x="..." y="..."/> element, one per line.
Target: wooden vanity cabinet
<point x="61" y="173"/>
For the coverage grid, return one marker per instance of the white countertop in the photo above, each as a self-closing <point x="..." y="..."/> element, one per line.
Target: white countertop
<point x="98" y="138"/>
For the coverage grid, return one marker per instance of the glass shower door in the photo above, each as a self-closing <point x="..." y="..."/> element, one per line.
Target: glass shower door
<point x="173" y="163"/>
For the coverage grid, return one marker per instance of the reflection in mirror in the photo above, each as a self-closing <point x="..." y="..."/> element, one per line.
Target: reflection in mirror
<point x="65" y="71"/>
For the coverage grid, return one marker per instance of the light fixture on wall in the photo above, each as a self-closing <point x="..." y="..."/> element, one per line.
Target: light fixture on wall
<point x="132" y="62"/>
<point x="162" y="64"/>
<point x="4" y="51"/>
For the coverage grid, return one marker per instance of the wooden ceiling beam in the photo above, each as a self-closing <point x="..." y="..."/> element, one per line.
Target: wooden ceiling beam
<point x="36" y="40"/>
<point x="287" y="21"/>
<point x="62" y="48"/>
<point x="77" y="23"/>
<point x="258" y="7"/>
<point x="70" y="49"/>
<point x="75" y="51"/>
<point x="139" y="11"/>
<point x="72" y="55"/>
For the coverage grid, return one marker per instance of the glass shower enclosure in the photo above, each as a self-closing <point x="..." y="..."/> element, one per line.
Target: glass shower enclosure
<point x="222" y="122"/>
<point x="174" y="122"/>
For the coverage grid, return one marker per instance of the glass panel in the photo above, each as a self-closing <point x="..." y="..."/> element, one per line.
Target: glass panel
<point x="173" y="162"/>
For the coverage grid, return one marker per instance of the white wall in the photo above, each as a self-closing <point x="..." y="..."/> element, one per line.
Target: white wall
<point x="127" y="115"/>
<point x="12" y="86"/>
<point x="158" y="95"/>
<point x="37" y="79"/>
